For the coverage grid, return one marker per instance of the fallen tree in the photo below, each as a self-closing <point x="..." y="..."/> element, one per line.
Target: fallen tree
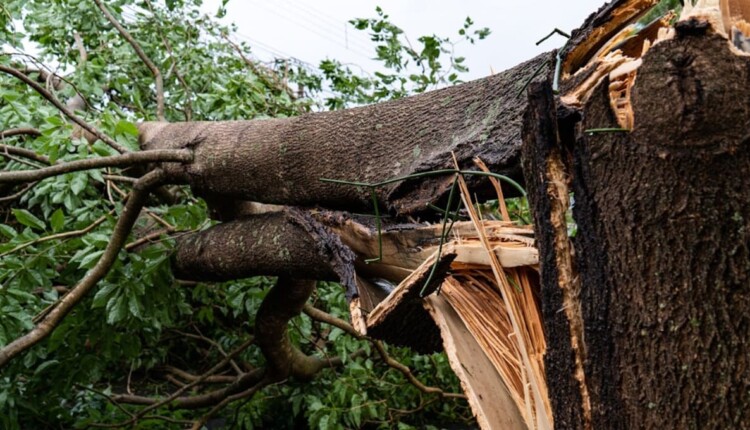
<point x="638" y="318"/>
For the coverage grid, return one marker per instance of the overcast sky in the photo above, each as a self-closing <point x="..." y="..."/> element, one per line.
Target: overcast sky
<point x="314" y="30"/>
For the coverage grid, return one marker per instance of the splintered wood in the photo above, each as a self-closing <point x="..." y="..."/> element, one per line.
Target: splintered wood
<point x="495" y="362"/>
<point x="615" y="48"/>
<point x="474" y="296"/>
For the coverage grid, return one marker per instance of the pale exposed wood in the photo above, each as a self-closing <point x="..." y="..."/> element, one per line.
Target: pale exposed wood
<point x="405" y="250"/>
<point x="408" y="288"/>
<point x="623" y="14"/>
<point x="359" y="322"/>
<point x="401" y="319"/>
<point x="536" y="407"/>
<point x="488" y="396"/>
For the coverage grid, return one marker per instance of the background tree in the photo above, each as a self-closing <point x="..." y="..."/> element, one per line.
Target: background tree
<point x="73" y="70"/>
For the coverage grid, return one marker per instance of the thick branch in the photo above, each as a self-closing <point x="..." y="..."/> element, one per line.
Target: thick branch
<point x="282" y="303"/>
<point x="64" y="109"/>
<point x="123" y="160"/>
<point x="129" y="215"/>
<point x="142" y="55"/>
<point x="282" y="160"/>
<point x="281" y="243"/>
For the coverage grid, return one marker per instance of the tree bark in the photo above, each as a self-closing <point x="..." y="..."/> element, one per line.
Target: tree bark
<point x="661" y="251"/>
<point x="282" y="161"/>
<point x="287" y="243"/>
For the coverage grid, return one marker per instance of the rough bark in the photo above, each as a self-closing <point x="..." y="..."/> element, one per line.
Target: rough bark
<point x="281" y="161"/>
<point x="677" y="239"/>
<point x="662" y="248"/>
<point x="282" y="303"/>
<point x="274" y="244"/>
<point x="541" y="144"/>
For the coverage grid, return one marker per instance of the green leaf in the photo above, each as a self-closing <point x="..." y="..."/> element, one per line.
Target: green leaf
<point x="101" y="297"/>
<point x="117" y="309"/>
<point x="57" y="220"/>
<point x="126" y="127"/>
<point x="134" y="306"/>
<point x="26" y="218"/>
<point x="7" y="231"/>
<point x="78" y="183"/>
<point x="45" y="365"/>
<point x="90" y="260"/>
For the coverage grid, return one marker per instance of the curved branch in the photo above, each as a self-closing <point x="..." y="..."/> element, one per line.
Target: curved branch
<point x="20" y="132"/>
<point x="130" y="213"/>
<point x="64" y="109"/>
<point x="142" y="55"/>
<point x="25" y="153"/>
<point x="282" y="303"/>
<point x="18" y="194"/>
<point x="123" y="160"/>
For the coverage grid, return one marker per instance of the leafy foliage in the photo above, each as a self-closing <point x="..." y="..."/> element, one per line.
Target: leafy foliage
<point x="125" y="335"/>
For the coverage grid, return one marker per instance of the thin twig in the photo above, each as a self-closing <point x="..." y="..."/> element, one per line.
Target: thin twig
<point x="59" y="236"/>
<point x="329" y="319"/>
<point x="214" y="344"/>
<point x="247" y="393"/>
<point x="17" y="195"/>
<point x="19" y="160"/>
<point x="142" y="55"/>
<point x="552" y="33"/>
<point x="20" y="132"/>
<point x="178" y="392"/>
<point x="180" y="78"/>
<point x="64" y="109"/>
<point x="122" y="160"/>
<point x="146" y="239"/>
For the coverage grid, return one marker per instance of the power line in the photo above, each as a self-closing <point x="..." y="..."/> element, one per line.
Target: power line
<point x="302" y="22"/>
<point x="357" y="39"/>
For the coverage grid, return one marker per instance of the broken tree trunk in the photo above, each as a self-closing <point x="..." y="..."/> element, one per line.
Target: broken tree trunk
<point x="282" y="161"/>
<point x="647" y="308"/>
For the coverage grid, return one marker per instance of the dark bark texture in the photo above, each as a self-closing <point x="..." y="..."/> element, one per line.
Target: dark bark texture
<point x="540" y="144"/>
<point x="663" y="219"/>
<point x="281" y="161"/>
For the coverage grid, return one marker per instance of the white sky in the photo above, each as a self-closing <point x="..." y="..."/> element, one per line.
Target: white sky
<point x="314" y="30"/>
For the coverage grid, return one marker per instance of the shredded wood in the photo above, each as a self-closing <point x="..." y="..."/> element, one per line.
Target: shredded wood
<point x="624" y="15"/>
<point x="473" y="294"/>
<point x="509" y="335"/>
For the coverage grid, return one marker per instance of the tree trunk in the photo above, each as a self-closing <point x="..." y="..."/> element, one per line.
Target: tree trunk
<point x="657" y="300"/>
